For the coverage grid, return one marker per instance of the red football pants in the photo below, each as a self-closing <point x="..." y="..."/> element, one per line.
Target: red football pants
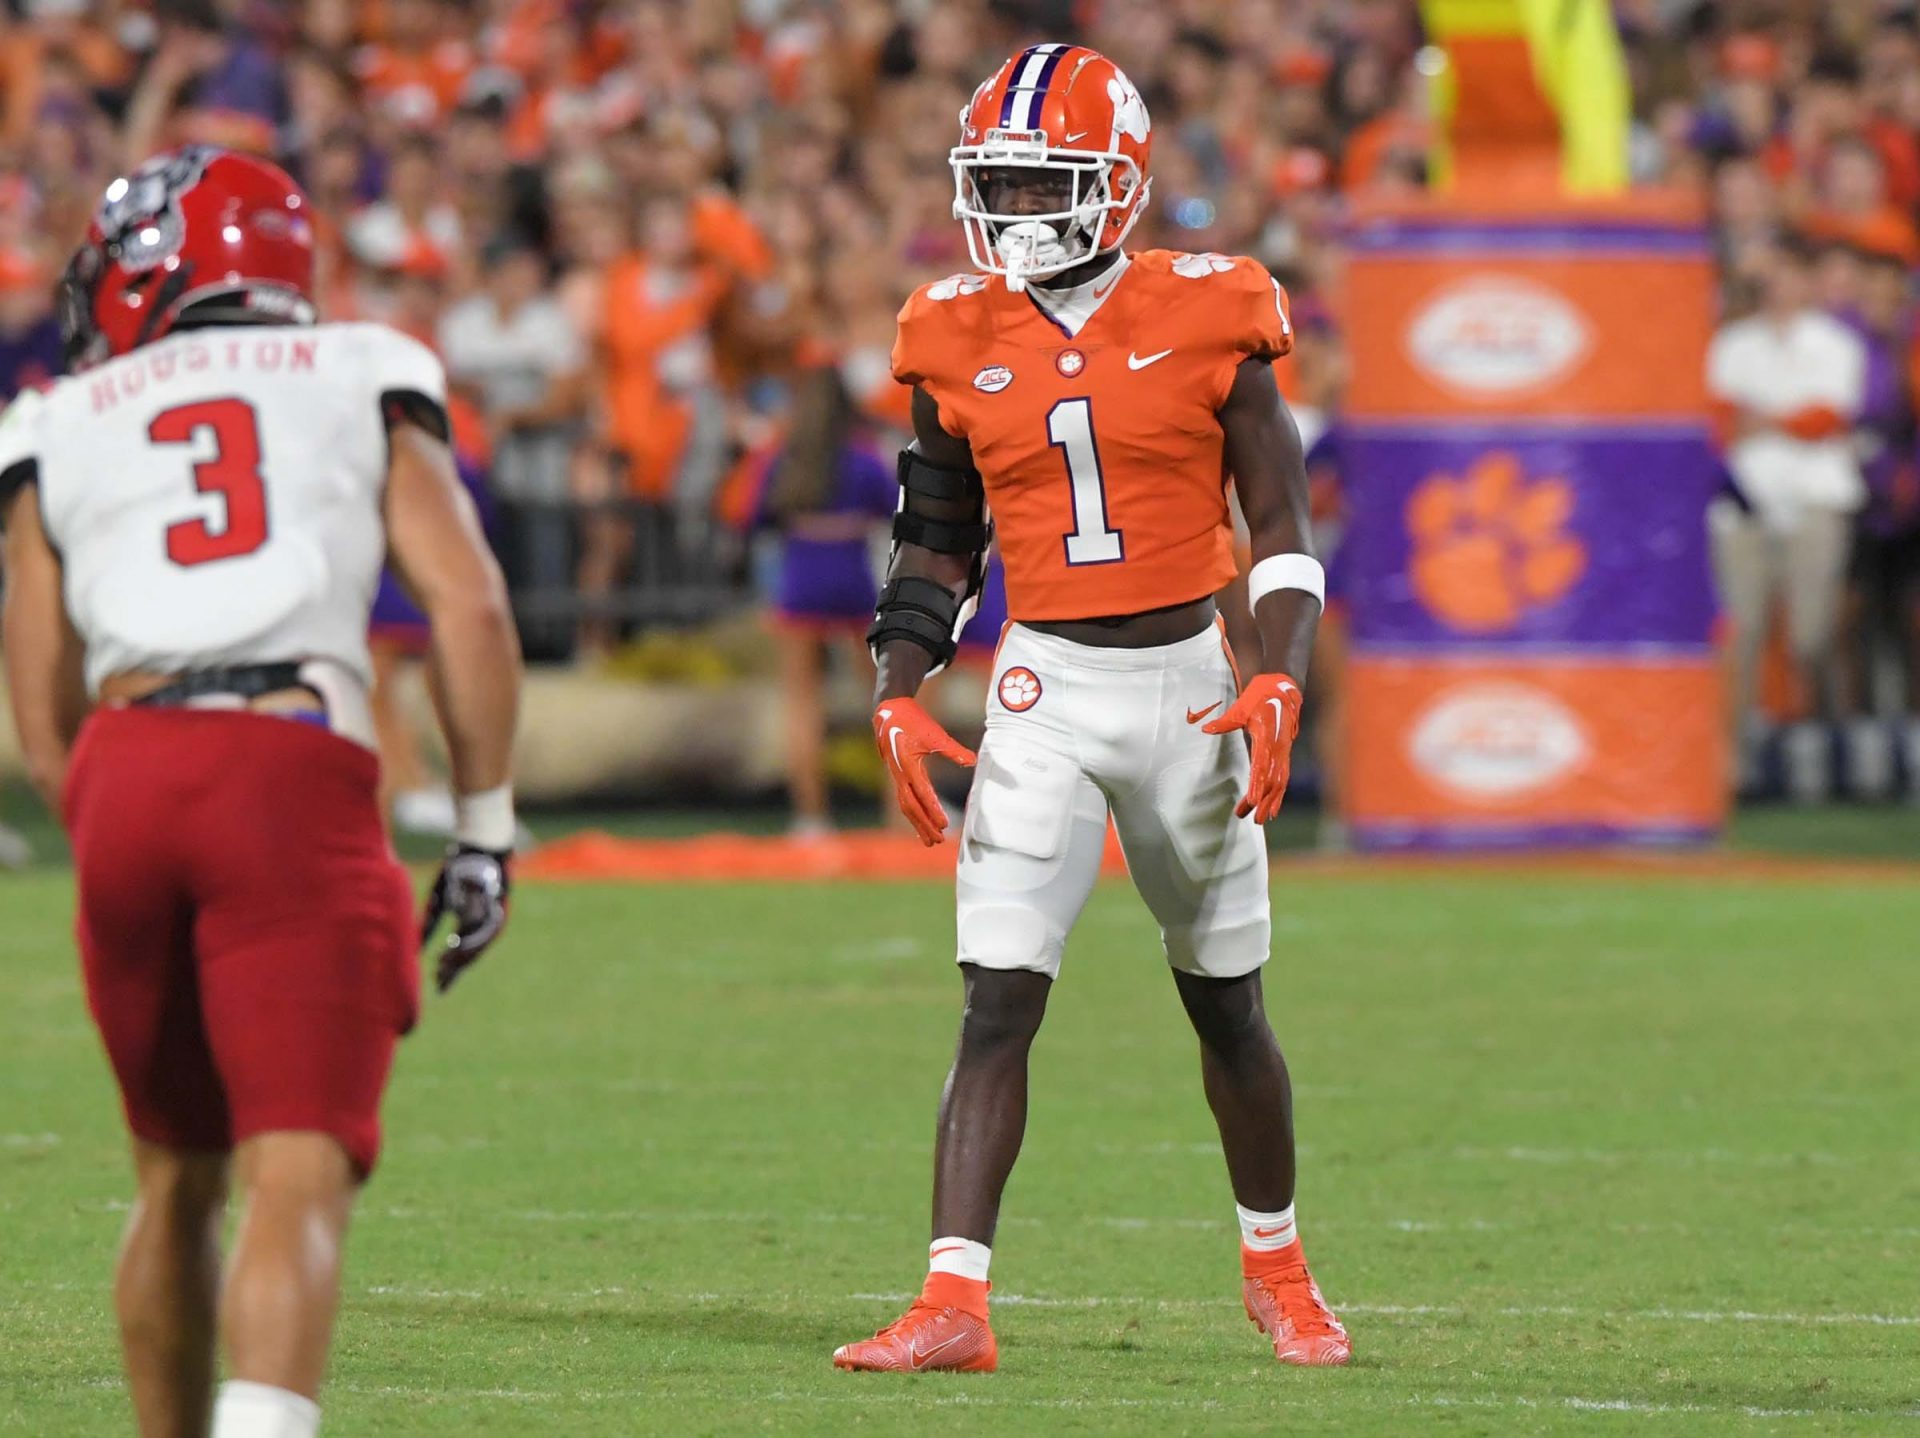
<point x="246" y="932"/>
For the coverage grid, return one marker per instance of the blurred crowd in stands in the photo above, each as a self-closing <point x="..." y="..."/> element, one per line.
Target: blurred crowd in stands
<point x="637" y="229"/>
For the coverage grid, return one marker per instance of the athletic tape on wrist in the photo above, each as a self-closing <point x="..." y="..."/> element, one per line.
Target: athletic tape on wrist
<point x="485" y="821"/>
<point x="1286" y="571"/>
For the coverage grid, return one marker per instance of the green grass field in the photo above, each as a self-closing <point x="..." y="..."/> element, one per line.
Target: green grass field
<point x="1579" y="1155"/>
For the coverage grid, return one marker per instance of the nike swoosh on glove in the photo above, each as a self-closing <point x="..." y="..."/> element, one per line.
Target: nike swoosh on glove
<point x="1268" y="709"/>
<point x="472" y="887"/>
<point x="906" y="734"/>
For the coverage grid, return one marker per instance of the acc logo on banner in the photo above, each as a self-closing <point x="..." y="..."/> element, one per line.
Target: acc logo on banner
<point x="1497" y="741"/>
<point x="1492" y="336"/>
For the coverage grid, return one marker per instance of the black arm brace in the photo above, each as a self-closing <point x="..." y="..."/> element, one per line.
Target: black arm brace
<point x="921" y="611"/>
<point x="924" y="611"/>
<point x="920" y="479"/>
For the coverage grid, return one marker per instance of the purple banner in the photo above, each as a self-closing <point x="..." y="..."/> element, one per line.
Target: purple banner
<point x="1526" y="536"/>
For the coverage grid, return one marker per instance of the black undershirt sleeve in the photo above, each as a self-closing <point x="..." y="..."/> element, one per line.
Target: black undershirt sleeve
<point x="409" y="406"/>
<point x="13" y="479"/>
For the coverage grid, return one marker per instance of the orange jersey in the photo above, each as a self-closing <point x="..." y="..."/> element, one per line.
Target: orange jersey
<point x="1101" y="451"/>
<point x="649" y="418"/>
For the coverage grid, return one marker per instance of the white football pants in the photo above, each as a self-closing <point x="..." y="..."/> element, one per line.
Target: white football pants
<point x="1074" y="733"/>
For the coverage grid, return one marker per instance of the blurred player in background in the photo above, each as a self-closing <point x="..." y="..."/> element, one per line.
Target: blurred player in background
<point x="1095" y="401"/>
<point x="195" y="522"/>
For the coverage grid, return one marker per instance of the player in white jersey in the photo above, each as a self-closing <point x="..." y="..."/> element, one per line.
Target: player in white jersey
<point x="195" y="521"/>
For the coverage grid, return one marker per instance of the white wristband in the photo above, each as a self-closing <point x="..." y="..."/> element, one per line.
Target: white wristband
<point x="1286" y="571"/>
<point x="485" y="821"/>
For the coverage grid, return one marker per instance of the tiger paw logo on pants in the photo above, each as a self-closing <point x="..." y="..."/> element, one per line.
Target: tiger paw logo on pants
<point x="1491" y="545"/>
<point x="1019" y="689"/>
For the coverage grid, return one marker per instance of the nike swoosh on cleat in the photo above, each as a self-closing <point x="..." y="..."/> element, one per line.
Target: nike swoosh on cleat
<point x="1135" y="361"/>
<point x="919" y="1358"/>
<point x="1194" y="716"/>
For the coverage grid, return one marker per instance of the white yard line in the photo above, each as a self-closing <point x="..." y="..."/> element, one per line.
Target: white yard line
<point x="1207" y="1150"/>
<point x="1120" y="1222"/>
<point x="1688" y="1157"/>
<point x="1449" y="1310"/>
<point x="941" y="1391"/>
<point x="945" y="1392"/>
<point x="498" y="1293"/>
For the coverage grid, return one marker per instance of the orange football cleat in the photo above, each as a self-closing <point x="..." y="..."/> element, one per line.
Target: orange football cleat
<point x="1285" y="1302"/>
<point x="927" y="1338"/>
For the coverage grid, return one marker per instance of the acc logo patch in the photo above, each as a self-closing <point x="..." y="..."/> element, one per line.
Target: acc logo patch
<point x="1019" y="689"/>
<point x="993" y="379"/>
<point x="1069" y="362"/>
<point x="1497" y="335"/>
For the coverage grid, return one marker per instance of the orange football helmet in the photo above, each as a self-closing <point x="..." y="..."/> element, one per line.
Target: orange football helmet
<point x="1053" y="107"/>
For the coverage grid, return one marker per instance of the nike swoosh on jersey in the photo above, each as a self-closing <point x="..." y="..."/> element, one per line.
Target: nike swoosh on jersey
<point x="1194" y="716"/>
<point x="1135" y="361"/>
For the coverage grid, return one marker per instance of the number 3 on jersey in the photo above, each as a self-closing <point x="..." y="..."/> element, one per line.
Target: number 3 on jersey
<point x="1070" y="430"/>
<point x="232" y="471"/>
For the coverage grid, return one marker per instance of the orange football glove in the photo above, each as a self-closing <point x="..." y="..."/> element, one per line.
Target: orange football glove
<point x="906" y="734"/>
<point x="1269" y="710"/>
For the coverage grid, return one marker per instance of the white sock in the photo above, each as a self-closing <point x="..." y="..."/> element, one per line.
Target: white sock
<point x="1266" y="1232"/>
<point x="256" y="1410"/>
<point x="960" y="1256"/>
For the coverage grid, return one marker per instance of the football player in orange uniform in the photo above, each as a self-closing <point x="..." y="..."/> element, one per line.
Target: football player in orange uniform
<point x="1096" y="402"/>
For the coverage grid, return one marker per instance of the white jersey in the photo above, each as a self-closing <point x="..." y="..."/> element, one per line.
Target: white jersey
<point x="215" y="497"/>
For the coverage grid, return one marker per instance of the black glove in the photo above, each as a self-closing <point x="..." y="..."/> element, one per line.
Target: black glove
<point x="472" y="886"/>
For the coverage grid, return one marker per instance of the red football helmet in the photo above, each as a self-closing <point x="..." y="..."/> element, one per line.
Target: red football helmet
<point x="1053" y="107"/>
<point x="224" y="235"/>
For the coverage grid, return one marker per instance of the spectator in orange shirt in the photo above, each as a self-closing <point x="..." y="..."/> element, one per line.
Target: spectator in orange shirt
<point x="1853" y="205"/>
<point x="660" y="303"/>
<point x="417" y="72"/>
<point x="656" y="363"/>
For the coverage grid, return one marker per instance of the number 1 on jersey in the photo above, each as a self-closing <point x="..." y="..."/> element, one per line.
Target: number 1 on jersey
<point x="232" y="472"/>
<point x="1070" y="430"/>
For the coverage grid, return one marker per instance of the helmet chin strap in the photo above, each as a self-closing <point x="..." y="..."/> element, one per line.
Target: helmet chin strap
<point x="1029" y="246"/>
